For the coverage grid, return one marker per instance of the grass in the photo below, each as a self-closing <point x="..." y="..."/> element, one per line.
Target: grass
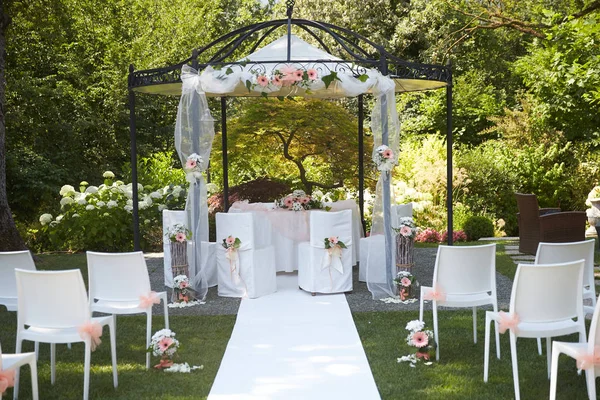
<point x="459" y="373"/>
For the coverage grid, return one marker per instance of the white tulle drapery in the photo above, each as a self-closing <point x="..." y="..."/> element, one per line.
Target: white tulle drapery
<point x="194" y="134"/>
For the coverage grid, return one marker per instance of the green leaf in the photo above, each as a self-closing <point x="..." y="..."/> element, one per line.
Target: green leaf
<point x="228" y="71"/>
<point x="281" y="98"/>
<point x="244" y="62"/>
<point x="327" y="79"/>
<point x="363" y="78"/>
<point x="249" y="85"/>
<point x="290" y="97"/>
<point x="263" y="94"/>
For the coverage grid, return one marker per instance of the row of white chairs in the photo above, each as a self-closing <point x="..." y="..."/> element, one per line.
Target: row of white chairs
<point x="547" y="296"/>
<point x="257" y="270"/>
<point x="52" y="305"/>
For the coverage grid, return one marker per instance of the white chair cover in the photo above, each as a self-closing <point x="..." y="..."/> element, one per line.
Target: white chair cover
<point x="208" y="254"/>
<point x="372" y="249"/>
<point x="357" y="231"/>
<point x="255" y="273"/>
<point x="312" y="277"/>
<point x="8" y="285"/>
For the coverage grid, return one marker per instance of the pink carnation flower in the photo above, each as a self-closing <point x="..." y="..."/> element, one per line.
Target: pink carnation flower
<point x="405" y="282"/>
<point x="262" y="80"/>
<point x="388" y="153"/>
<point x="180" y="237"/>
<point x="312" y="74"/>
<point x="333" y="239"/>
<point x="420" y="339"/>
<point x="190" y="164"/>
<point x="230" y="240"/>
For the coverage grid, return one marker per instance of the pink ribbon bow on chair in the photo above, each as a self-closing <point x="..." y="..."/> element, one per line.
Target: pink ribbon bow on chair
<point x="436" y="294"/>
<point x="508" y="322"/>
<point x="148" y="301"/>
<point x="7" y="380"/>
<point x="586" y="360"/>
<point x="93" y="331"/>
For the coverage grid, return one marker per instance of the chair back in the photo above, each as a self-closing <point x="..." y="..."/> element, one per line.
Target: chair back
<point x="529" y="210"/>
<point x="237" y="224"/>
<point x="117" y="276"/>
<point x="51" y="299"/>
<point x="9" y="261"/>
<point x="548" y="292"/>
<point x="172" y="218"/>
<point x="554" y="253"/>
<point x="325" y="224"/>
<point x="466" y="269"/>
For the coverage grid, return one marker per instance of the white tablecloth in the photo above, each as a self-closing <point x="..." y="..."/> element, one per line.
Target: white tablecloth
<point x="288" y="228"/>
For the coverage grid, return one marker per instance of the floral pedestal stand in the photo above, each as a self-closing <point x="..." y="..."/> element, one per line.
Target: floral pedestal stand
<point x="593" y="215"/>
<point x="179" y="264"/>
<point x="405" y="262"/>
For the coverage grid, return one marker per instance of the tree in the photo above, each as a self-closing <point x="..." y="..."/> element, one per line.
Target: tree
<point x="9" y="235"/>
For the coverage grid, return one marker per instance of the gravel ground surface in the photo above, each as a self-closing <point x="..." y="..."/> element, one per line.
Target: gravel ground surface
<point x="360" y="299"/>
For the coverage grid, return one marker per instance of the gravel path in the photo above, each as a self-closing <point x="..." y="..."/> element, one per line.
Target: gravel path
<point x="359" y="300"/>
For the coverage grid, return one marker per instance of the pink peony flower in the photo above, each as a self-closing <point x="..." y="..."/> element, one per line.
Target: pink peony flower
<point x="405" y="282"/>
<point x="180" y="237"/>
<point x="230" y="240"/>
<point x="288" y="201"/>
<point x="262" y="80"/>
<point x="312" y="74"/>
<point x="388" y="153"/>
<point x="276" y="81"/>
<point x="190" y="164"/>
<point x="405" y="231"/>
<point x="420" y="339"/>
<point x="333" y="239"/>
<point x="164" y="344"/>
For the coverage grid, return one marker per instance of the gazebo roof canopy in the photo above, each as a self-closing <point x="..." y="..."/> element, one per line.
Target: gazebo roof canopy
<point x="365" y="59"/>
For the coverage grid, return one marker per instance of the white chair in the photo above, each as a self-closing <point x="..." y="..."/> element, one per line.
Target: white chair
<point x="553" y="253"/>
<point x="12" y="362"/>
<point x="9" y="261"/>
<point x="575" y="350"/>
<point x="545" y="299"/>
<point x="357" y="231"/>
<point x="207" y="252"/>
<point x="52" y="306"/>
<point x="255" y="274"/>
<point x="116" y="282"/>
<point x="372" y="248"/>
<point x="312" y="277"/>
<point x="467" y="277"/>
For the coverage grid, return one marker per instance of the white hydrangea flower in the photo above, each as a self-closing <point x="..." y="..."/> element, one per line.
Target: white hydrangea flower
<point x="147" y="221"/>
<point x="91" y="189"/>
<point x="45" y="219"/>
<point x="67" y="190"/>
<point x="108" y="175"/>
<point x="118" y="183"/>
<point x="111" y="204"/>
<point x="66" y="200"/>
<point x="75" y="215"/>
<point x="140" y="187"/>
<point x="106" y="215"/>
<point x="415" y="325"/>
<point x="162" y="207"/>
<point x="212" y="187"/>
<point x="59" y="218"/>
<point x="142" y="205"/>
<point x="299" y="193"/>
<point x="89" y="207"/>
<point x="129" y="203"/>
<point x="82" y="201"/>
<point x="155" y="195"/>
<point x="100" y="203"/>
<point x="128" y="208"/>
<point x="176" y="191"/>
<point x="148" y="199"/>
<point x="53" y="223"/>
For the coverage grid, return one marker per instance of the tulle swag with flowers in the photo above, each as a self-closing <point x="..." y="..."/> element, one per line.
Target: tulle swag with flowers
<point x="384" y="158"/>
<point x="421" y="339"/>
<point x="299" y="201"/>
<point x="164" y="345"/>
<point x="178" y="233"/>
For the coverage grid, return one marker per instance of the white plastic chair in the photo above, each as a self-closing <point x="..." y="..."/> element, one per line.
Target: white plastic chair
<point x="312" y="277"/>
<point x="545" y="298"/>
<point x="9" y="261"/>
<point x="552" y="253"/>
<point x="574" y="350"/>
<point x="372" y="248"/>
<point x="116" y="282"/>
<point x="9" y="362"/>
<point x="208" y="251"/>
<point x="52" y="306"/>
<point x="256" y="276"/>
<point x="467" y="277"/>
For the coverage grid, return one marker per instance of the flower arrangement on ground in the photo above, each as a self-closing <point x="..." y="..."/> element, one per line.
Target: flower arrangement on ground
<point x="183" y="294"/>
<point x="298" y="201"/>
<point x="421" y="339"/>
<point x="384" y="158"/>
<point x="178" y="233"/>
<point x="164" y="345"/>
<point x="406" y="282"/>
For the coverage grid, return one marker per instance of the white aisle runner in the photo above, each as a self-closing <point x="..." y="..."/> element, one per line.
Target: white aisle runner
<point x="291" y="345"/>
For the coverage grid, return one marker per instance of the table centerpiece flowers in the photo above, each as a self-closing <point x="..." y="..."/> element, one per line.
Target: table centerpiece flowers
<point x="298" y="201"/>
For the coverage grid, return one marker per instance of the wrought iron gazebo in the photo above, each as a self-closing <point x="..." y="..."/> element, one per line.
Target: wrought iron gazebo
<point x="363" y="62"/>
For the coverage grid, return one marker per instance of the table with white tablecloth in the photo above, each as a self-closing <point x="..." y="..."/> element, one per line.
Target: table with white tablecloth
<point x="287" y="228"/>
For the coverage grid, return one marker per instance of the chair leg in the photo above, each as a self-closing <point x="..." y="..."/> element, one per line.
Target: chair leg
<point x="148" y="335"/>
<point x="475" y="325"/>
<point x="421" y="305"/>
<point x="52" y="363"/>
<point x="435" y="331"/>
<point x="69" y="346"/>
<point x="113" y="349"/>
<point x="515" y="365"/>
<point x="486" y="353"/>
<point x="549" y="354"/>
<point x="554" y="374"/>
<point x="86" y="369"/>
<point x="539" y="343"/>
<point x="495" y="305"/>
<point x="18" y="370"/>
<point x="166" y="310"/>
<point x="34" y="381"/>
<point x="590" y="377"/>
<point x="37" y="350"/>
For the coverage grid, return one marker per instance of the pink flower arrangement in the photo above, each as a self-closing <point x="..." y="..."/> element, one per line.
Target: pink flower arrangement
<point x="262" y="80"/>
<point x="288" y="201"/>
<point x="180" y="237"/>
<point x="230" y="240"/>
<point x="420" y="339"/>
<point x="405" y="282"/>
<point x="165" y="343"/>
<point x="333" y="239"/>
<point x="405" y="231"/>
<point x="190" y="164"/>
<point x="178" y="233"/>
<point x="388" y="153"/>
<point x="298" y="201"/>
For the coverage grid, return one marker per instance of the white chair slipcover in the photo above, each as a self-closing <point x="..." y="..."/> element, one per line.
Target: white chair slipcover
<point x="312" y="277"/>
<point x="255" y="274"/>
<point x="9" y="261"/>
<point x="208" y="254"/>
<point x="467" y="277"/>
<point x="9" y="362"/>
<point x="372" y="248"/>
<point x="357" y="231"/>
<point x="116" y="282"/>
<point x="546" y="299"/>
<point x="51" y="307"/>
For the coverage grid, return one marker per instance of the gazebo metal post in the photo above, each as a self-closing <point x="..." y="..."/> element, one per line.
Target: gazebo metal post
<point x="449" y="154"/>
<point x="224" y="146"/>
<point x="361" y="162"/>
<point x="134" y="177"/>
<point x="387" y="230"/>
